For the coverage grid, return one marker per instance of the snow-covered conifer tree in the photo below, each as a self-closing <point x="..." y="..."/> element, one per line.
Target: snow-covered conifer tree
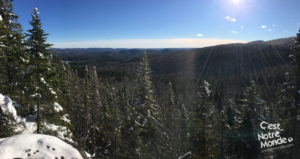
<point x="13" y="56"/>
<point x="252" y="113"/>
<point x="151" y="137"/>
<point x="40" y="74"/>
<point x="204" y="126"/>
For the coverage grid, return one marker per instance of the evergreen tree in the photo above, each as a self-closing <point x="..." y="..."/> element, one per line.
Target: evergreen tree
<point x="40" y="73"/>
<point x="286" y="106"/>
<point x="6" y="126"/>
<point x="185" y="130"/>
<point x="117" y="124"/>
<point x="204" y="128"/>
<point x="128" y="129"/>
<point x="295" y="71"/>
<point x="151" y="138"/>
<point x="13" y="56"/>
<point x="171" y="118"/>
<point x="94" y="112"/>
<point x="107" y="124"/>
<point x="60" y="82"/>
<point x="75" y="106"/>
<point x="230" y="134"/>
<point x="86" y="109"/>
<point x="252" y="114"/>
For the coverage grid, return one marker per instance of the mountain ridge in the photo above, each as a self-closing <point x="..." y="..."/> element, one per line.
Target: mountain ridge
<point x="91" y="49"/>
<point x="222" y="62"/>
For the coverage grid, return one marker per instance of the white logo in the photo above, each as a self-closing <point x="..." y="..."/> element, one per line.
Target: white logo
<point x="272" y="138"/>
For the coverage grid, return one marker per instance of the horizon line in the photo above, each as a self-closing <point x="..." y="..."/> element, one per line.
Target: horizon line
<point x="172" y="43"/>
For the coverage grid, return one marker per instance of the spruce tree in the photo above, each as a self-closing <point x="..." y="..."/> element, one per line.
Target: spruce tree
<point x="128" y="128"/>
<point x="172" y="122"/>
<point x="204" y="128"/>
<point x="295" y="70"/>
<point x="40" y="73"/>
<point x="185" y="130"/>
<point x="96" y="106"/>
<point x="60" y="82"/>
<point x="252" y="115"/>
<point x="230" y="122"/>
<point x="6" y="128"/>
<point x="147" y="115"/>
<point x="86" y="109"/>
<point x="74" y="97"/>
<point x="13" y="55"/>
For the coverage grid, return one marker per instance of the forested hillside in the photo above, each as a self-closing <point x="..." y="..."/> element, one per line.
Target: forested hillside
<point x="231" y="66"/>
<point x="238" y="101"/>
<point x="221" y="62"/>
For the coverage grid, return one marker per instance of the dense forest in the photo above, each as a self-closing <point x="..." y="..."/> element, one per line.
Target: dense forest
<point x="239" y="101"/>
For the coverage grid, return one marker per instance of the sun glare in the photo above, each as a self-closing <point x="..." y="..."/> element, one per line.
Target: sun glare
<point x="236" y="1"/>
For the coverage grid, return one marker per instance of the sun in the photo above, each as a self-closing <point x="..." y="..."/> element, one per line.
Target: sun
<point x="236" y="1"/>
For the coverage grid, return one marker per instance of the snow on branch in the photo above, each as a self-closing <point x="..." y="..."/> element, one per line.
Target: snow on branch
<point x="185" y="155"/>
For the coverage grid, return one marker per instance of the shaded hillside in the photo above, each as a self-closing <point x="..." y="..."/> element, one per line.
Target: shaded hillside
<point x="217" y="62"/>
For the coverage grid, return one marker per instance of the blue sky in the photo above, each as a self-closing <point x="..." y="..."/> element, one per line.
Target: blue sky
<point x="161" y="23"/>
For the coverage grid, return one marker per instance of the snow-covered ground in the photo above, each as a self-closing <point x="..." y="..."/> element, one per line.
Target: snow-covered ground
<point x="7" y="106"/>
<point x="29" y="145"/>
<point x="28" y="124"/>
<point x="36" y="146"/>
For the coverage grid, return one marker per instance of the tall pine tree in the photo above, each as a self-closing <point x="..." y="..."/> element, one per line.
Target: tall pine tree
<point x="150" y="137"/>
<point x="204" y="128"/>
<point x="40" y="74"/>
<point x="13" y="56"/>
<point x="296" y="94"/>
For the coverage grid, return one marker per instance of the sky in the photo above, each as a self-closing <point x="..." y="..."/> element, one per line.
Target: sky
<point x="161" y="23"/>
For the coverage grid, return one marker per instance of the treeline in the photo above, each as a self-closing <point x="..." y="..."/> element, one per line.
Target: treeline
<point x="131" y="124"/>
<point x="133" y="121"/>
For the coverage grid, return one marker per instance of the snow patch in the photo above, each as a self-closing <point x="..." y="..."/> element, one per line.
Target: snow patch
<point x="8" y="108"/>
<point x="52" y="91"/>
<point x="43" y="80"/>
<point x="57" y="107"/>
<point x="65" y="118"/>
<point x="61" y="131"/>
<point x="28" y="124"/>
<point x="41" y="55"/>
<point x="26" y="127"/>
<point x="185" y="155"/>
<point x="30" y="127"/>
<point x="36" y="146"/>
<point x="36" y="10"/>
<point x="206" y="87"/>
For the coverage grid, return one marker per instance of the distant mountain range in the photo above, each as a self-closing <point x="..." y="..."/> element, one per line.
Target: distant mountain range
<point x="282" y="41"/>
<point x="230" y="61"/>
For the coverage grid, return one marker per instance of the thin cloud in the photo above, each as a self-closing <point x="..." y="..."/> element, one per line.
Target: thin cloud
<point x="231" y="19"/>
<point x="234" y="32"/>
<point x="270" y="29"/>
<point x="147" y="43"/>
<point x="264" y="27"/>
<point x="200" y="35"/>
<point x="242" y="26"/>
